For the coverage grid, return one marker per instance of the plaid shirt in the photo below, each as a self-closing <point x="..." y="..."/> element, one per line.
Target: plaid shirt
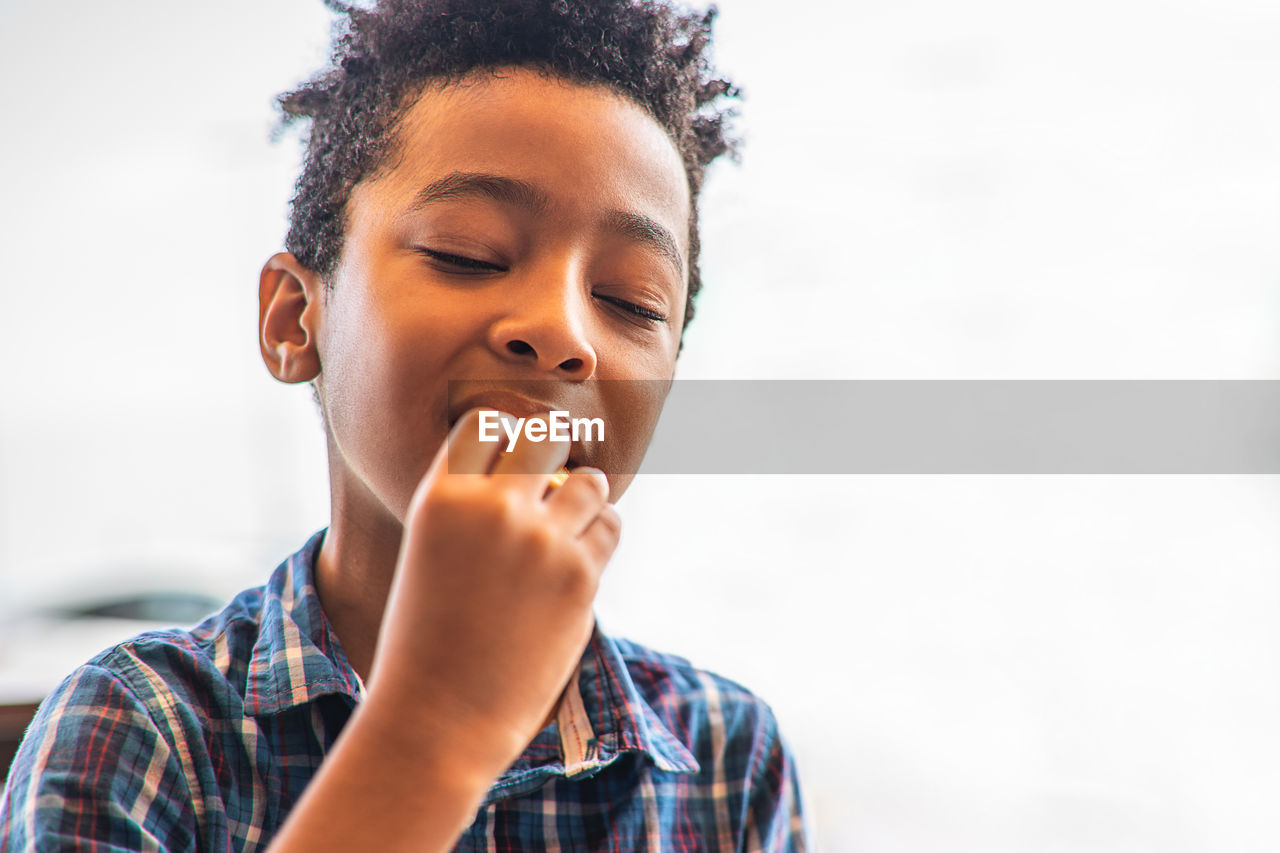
<point x="204" y="740"/>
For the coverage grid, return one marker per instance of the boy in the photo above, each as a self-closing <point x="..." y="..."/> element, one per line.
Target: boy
<point x="501" y="200"/>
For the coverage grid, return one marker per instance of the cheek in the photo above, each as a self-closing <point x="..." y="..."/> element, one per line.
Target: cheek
<point x="625" y="357"/>
<point x="381" y="373"/>
<point x="633" y="408"/>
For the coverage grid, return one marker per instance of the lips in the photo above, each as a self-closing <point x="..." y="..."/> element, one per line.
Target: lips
<point x="502" y="401"/>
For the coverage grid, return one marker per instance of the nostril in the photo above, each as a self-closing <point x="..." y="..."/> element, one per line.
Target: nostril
<point x="525" y="350"/>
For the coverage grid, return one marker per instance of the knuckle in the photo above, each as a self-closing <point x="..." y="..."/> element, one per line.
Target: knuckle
<point x="610" y="521"/>
<point x="427" y="503"/>
<point x="599" y="483"/>
<point x="438" y="498"/>
<point x="577" y="579"/>
<point x="539" y="544"/>
<point x="500" y="507"/>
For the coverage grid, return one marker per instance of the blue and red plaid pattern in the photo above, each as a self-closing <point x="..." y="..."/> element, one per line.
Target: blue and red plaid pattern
<point x="204" y="740"/>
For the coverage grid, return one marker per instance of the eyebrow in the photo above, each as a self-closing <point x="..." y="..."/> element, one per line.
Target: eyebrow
<point x="642" y="229"/>
<point x="458" y="185"/>
<point x="633" y="226"/>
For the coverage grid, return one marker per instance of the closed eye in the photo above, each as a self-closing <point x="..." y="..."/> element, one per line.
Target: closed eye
<point x="460" y="261"/>
<point x="632" y="308"/>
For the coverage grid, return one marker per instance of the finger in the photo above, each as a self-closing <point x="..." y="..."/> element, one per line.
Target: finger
<point x="577" y="503"/>
<point x="601" y="537"/>
<point x="467" y="454"/>
<point x="528" y="456"/>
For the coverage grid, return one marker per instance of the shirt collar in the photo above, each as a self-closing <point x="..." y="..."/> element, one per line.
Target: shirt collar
<point x="619" y="715"/>
<point x="602" y="717"/>
<point x="297" y="658"/>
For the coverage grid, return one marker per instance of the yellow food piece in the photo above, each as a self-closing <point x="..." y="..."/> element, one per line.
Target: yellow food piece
<point x="558" y="478"/>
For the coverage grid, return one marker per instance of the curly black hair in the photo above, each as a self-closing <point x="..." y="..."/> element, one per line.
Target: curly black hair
<point x="382" y="57"/>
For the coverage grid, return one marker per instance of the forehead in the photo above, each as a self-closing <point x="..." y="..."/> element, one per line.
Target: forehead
<point x="584" y="147"/>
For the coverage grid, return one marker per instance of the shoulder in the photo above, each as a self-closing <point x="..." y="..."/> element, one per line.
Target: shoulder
<point x="207" y="663"/>
<point x="707" y="711"/>
<point x="744" y="762"/>
<point x="116" y="749"/>
<point x="163" y="680"/>
<point x="163" y="684"/>
<point x="670" y="678"/>
<point x="98" y="762"/>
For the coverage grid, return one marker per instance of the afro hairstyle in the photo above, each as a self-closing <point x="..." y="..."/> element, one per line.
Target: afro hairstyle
<point x="384" y="54"/>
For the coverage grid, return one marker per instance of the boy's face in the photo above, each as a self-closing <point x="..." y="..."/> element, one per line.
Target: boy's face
<point x="526" y="229"/>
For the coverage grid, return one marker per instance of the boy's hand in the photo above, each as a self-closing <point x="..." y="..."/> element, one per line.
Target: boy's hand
<point x="491" y="606"/>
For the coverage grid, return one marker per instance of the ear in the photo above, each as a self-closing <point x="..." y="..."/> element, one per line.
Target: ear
<point x="290" y="302"/>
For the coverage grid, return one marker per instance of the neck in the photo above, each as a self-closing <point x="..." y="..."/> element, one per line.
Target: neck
<point x="354" y="571"/>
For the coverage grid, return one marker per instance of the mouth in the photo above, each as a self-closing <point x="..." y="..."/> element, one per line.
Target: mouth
<point x="502" y="401"/>
<point x="516" y="405"/>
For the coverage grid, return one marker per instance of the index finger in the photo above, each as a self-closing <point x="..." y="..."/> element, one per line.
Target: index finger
<point x="465" y="452"/>
<point x="533" y="455"/>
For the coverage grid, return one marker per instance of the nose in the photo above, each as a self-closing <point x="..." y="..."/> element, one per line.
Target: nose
<point x="544" y="326"/>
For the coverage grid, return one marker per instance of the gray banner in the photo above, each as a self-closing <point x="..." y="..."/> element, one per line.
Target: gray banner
<point x="914" y="427"/>
<point x="968" y="427"/>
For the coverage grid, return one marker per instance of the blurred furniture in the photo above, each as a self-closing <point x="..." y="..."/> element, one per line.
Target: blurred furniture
<point x="13" y="723"/>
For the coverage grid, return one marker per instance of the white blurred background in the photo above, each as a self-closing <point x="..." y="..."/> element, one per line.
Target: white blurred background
<point x="928" y="190"/>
